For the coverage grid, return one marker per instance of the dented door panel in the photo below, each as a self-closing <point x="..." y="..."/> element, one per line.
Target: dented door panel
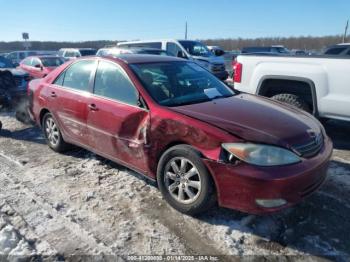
<point x="119" y="131"/>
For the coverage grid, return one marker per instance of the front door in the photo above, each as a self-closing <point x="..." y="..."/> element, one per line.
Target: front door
<point x="117" y="125"/>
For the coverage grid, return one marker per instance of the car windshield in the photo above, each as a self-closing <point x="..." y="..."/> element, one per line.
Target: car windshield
<point x="180" y="83"/>
<point x="196" y="48"/>
<point x="87" y="52"/>
<point x="51" y="61"/>
<point x="5" y="63"/>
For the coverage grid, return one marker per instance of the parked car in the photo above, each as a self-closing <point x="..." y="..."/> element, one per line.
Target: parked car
<point x="13" y="83"/>
<point x="113" y="51"/>
<point x="13" y="89"/>
<point x="17" y="56"/>
<point x="73" y="53"/>
<point x="318" y="84"/>
<point x="275" y="49"/>
<point x="187" y="49"/>
<point x="40" y="66"/>
<point x="338" y="50"/>
<point x="174" y="122"/>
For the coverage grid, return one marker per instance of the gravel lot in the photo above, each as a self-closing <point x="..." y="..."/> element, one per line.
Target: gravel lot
<point x="63" y="205"/>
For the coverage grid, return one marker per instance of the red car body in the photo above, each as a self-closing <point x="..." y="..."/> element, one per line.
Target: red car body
<point x="136" y="137"/>
<point x="36" y="66"/>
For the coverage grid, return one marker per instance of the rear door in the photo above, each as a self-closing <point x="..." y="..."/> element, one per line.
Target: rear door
<point x="69" y="97"/>
<point x="117" y="124"/>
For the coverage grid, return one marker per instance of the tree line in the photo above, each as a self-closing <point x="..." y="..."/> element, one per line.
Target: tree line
<point x="302" y="42"/>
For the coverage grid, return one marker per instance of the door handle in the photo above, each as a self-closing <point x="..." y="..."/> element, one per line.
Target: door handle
<point x="53" y="94"/>
<point x="93" y="107"/>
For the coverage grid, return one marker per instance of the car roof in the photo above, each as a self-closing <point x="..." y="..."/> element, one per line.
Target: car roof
<point x="140" y="58"/>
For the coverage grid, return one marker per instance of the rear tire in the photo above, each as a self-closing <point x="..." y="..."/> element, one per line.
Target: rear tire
<point x="293" y="100"/>
<point x="184" y="180"/>
<point x="53" y="134"/>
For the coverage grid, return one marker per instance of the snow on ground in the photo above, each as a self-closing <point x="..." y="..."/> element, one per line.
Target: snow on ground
<point x="78" y="203"/>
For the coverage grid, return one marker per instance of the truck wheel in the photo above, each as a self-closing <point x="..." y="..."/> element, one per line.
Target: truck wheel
<point x="184" y="181"/>
<point x="293" y="100"/>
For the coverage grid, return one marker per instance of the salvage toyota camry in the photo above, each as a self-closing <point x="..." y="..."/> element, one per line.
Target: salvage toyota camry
<point x="176" y="123"/>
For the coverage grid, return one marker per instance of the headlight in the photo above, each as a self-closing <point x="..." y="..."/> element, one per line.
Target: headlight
<point x="261" y="155"/>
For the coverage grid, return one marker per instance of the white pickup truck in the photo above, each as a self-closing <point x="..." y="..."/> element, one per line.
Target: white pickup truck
<point x="319" y="85"/>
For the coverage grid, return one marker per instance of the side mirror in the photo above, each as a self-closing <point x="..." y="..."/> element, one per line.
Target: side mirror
<point x="181" y="54"/>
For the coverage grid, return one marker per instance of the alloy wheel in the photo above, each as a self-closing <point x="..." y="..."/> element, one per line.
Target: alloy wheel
<point x="182" y="180"/>
<point x="52" y="132"/>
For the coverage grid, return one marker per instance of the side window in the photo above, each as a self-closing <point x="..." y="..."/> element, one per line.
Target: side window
<point x="172" y="48"/>
<point x="59" y="80"/>
<point x="78" y="75"/>
<point x="12" y="56"/>
<point x="111" y="82"/>
<point x="22" y="55"/>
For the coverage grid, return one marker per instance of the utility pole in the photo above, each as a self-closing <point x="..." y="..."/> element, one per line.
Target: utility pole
<point x="186" y="31"/>
<point x="346" y="31"/>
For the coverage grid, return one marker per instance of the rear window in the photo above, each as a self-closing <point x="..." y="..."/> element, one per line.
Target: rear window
<point x="87" y="52"/>
<point x="335" y="51"/>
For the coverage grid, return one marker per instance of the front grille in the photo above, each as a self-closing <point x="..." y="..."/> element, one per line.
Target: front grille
<point x="311" y="148"/>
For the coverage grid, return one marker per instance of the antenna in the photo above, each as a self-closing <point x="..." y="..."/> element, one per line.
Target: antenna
<point x="186" y="31"/>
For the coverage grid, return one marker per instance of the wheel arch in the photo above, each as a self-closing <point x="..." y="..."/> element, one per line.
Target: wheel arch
<point x="264" y="82"/>
<point x="200" y="155"/>
<point x="43" y="112"/>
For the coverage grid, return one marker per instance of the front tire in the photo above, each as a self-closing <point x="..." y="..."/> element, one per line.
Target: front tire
<point x="184" y="180"/>
<point x="53" y="134"/>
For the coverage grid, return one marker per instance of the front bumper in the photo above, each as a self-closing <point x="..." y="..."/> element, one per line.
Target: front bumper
<point x="240" y="186"/>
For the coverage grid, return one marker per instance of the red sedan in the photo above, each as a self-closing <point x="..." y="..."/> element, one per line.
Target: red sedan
<point x="40" y="66"/>
<point x="174" y="122"/>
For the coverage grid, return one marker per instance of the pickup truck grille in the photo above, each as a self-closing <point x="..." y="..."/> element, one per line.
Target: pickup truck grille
<point x="311" y="148"/>
<point x="218" y="67"/>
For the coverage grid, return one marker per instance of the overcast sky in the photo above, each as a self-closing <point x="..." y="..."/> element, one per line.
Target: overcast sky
<point x="80" y="20"/>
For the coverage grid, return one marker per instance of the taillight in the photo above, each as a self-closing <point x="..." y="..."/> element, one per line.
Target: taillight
<point x="237" y="69"/>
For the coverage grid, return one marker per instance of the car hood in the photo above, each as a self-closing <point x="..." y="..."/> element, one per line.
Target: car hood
<point x="256" y="119"/>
